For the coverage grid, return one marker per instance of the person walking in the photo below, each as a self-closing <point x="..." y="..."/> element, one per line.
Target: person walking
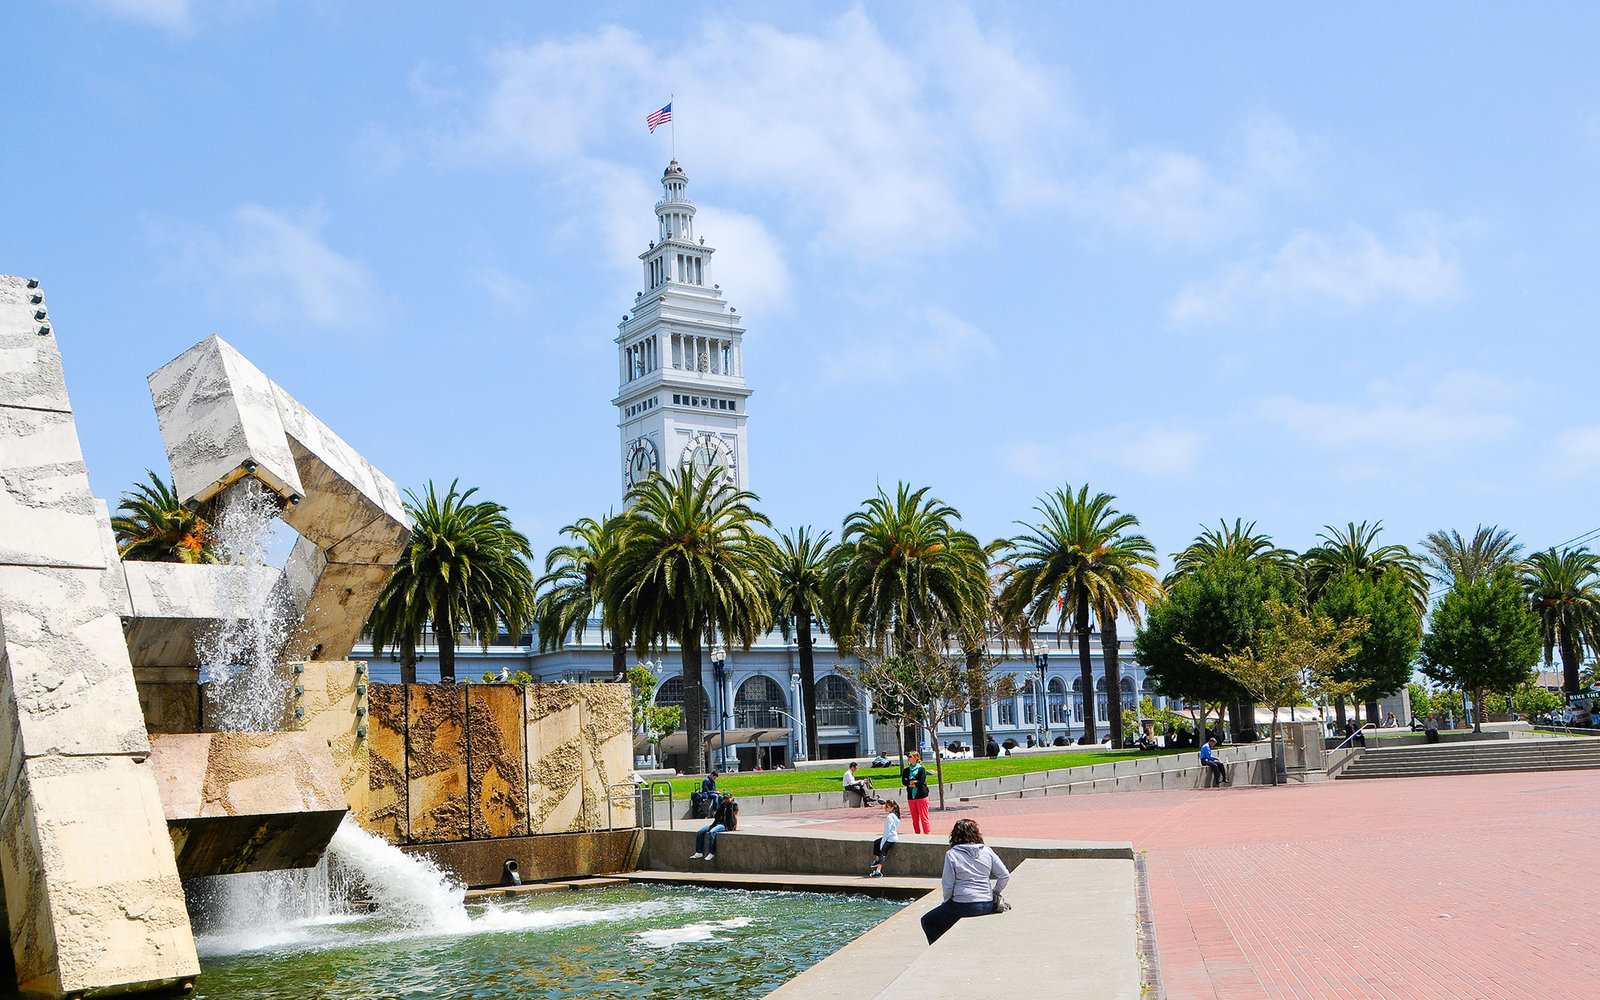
<point x="1213" y="763"/>
<point x="891" y="836"/>
<point x="915" y="778"/>
<point x="974" y="876"/>
<point x="726" y="818"/>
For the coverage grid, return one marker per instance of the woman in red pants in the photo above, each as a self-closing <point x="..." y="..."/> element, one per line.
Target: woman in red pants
<point x="915" y="778"/>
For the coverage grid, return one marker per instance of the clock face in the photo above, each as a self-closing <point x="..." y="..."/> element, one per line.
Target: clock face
<point x="707" y="452"/>
<point x="641" y="460"/>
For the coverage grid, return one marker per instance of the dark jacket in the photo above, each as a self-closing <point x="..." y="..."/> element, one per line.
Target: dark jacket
<point x="727" y="815"/>
<point x="915" y="778"/>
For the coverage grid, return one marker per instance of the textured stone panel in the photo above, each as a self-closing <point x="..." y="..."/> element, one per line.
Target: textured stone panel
<point x="47" y="517"/>
<point x="555" y="758"/>
<point x="30" y="363"/>
<point x="92" y="910"/>
<point x="242" y="802"/>
<point x="387" y="813"/>
<point x="68" y="676"/>
<point x="218" y="411"/>
<point x="169" y="697"/>
<point x="172" y="606"/>
<point x="334" y="600"/>
<point x="497" y="777"/>
<point x="607" y="741"/>
<point x="436" y="764"/>
<point x="477" y="863"/>
<point x="332" y="703"/>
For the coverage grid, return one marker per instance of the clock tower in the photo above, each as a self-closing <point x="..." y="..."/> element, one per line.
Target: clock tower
<point x="682" y="395"/>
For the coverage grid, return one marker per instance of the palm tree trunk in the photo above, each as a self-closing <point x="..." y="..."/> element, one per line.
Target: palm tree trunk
<point x="1113" y="666"/>
<point x="408" y="660"/>
<point x="1090" y="733"/>
<point x="808" y="683"/>
<point x="1570" y="659"/>
<point x="447" y="650"/>
<point x="693" y="700"/>
<point x="619" y="657"/>
<point x="975" y="704"/>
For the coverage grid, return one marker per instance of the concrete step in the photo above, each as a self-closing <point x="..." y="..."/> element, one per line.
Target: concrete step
<point x="1475" y="758"/>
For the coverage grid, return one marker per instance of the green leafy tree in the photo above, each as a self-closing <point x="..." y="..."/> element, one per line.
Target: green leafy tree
<point x="1451" y="558"/>
<point x="1082" y="556"/>
<point x="1564" y="593"/>
<point x="1215" y="610"/>
<point x="1354" y="549"/>
<point x="1482" y="637"/>
<point x="465" y="568"/>
<point x="1532" y="701"/>
<point x="1385" y="651"/>
<point x="153" y="525"/>
<point x="571" y="589"/>
<point x="692" y="564"/>
<point x="1421" y="703"/>
<point x="1294" y="658"/>
<point x="799" y="576"/>
<point x="654" y="722"/>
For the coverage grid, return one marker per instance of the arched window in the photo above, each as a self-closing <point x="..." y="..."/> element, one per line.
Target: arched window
<point x="836" y="703"/>
<point x="1077" y="701"/>
<point x="1057" y="694"/>
<point x="754" y="705"/>
<point x="1030" y="703"/>
<point x="671" y="693"/>
<point x="1102" y="708"/>
<point x="1127" y="686"/>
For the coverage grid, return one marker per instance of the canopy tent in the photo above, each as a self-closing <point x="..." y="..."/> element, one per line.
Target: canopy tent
<point x="678" y="742"/>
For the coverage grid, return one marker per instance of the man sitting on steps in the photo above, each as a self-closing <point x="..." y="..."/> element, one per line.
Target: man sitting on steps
<point x="1213" y="763"/>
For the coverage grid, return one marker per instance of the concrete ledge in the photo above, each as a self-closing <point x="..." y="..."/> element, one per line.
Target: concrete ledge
<point x="888" y="887"/>
<point x="547" y="856"/>
<point x="826" y="852"/>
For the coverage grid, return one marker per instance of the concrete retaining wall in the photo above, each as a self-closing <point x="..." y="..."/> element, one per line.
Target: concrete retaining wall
<point x="479" y="863"/>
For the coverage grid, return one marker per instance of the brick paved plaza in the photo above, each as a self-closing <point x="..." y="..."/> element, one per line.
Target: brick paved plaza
<point x="1484" y="886"/>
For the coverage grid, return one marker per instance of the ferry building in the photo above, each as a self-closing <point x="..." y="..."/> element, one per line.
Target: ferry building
<point x="682" y="399"/>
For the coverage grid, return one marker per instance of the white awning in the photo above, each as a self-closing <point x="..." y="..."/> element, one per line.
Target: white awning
<point x="678" y="742"/>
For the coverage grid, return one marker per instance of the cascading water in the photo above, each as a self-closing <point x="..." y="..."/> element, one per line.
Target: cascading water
<point x="359" y="874"/>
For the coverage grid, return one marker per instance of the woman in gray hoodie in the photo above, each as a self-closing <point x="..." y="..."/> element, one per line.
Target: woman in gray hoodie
<point x="973" y="879"/>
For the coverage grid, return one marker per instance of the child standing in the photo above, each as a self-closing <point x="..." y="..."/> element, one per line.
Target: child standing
<point x="891" y="835"/>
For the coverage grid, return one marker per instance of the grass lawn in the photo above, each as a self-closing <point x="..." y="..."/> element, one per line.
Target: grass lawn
<point x="789" y="782"/>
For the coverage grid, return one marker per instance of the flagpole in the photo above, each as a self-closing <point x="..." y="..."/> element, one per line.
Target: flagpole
<point x="674" y="123"/>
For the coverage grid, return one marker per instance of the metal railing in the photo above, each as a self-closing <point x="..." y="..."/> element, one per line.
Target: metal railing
<point x="620" y="793"/>
<point x="1353" y="735"/>
<point x="656" y="795"/>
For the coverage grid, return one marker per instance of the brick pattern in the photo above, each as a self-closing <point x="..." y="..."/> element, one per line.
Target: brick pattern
<point x="1476" y="887"/>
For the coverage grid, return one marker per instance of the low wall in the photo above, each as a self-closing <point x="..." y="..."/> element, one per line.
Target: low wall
<point x="823" y="852"/>
<point x="478" y="863"/>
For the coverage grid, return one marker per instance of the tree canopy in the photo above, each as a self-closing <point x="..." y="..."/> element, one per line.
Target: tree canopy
<point x="1482" y="637"/>
<point x="1383" y="654"/>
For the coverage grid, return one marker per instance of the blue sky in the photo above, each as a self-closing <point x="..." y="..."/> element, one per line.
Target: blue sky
<point x="1301" y="266"/>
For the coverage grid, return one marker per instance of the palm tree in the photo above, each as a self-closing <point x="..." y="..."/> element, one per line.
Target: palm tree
<point x="692" y="564"/>
<point x="1240" y="541"/>
<point x="570" y="589"/>
<point x="153" y="525"/>
<point x="1564" y="594"/>
<point x="465" y="567"/>
<point x="798" y="578"/>
<point x="904" y="578"/>
<point x="1452" y="559"/>
<point x="1355" y="549"/>
<point x="1082" y="556"/>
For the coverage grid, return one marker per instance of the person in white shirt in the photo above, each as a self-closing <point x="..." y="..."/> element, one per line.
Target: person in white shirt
<point x="974" y="877"/>
<point x="891" y="836"/>
<point x="860" y="786"/>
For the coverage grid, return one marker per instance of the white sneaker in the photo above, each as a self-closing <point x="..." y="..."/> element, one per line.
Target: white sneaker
<point x="696" y="856"/>
<point x="710" y="856"/>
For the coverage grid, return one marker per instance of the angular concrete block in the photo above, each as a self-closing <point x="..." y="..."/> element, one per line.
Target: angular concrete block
<point x="247" y="802"/>
<point x="169" y="697"/>
<point x="436" y="763"/>
<point x="388" y="810"/>
<point x="92" y="909"/>
<point x="555" y="758"/>
<point x="30" y="363"/>
<point x="497" y="770"/>
<point x="47" y="517"/>
<point x="173" y="606"/>
<point x="332" y="704"/>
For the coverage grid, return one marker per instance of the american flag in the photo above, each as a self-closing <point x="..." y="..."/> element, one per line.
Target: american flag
<point x="659" y="118"/>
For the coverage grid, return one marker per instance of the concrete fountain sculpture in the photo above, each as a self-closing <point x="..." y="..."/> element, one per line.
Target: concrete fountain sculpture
<point x="99" y="822"/>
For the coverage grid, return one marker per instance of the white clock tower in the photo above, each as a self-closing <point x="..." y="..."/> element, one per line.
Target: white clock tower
<point x="681" y="350"/>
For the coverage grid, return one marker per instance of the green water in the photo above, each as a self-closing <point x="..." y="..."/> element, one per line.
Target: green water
<point x="624" y="942"/>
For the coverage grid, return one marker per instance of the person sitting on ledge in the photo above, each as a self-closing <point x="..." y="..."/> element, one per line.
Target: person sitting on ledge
<point x="974" y="877"/>
<point x="1213" y="763"/>
<point x="726" y="818"/>
<point x="856" y="788"/>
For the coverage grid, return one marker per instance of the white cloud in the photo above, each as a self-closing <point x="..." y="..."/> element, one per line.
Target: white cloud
<point x="505" y="293"/>
<point x="1169" y="197"/>
<point x="1459" y="412"/>
<point x="279" y="270"/>
<point x="748" y="263"/>
<point x="940" y="344"/>
<point x="1350" y="271"/>
<point x="170" y="15"/>
<point x="1147" y="448"/>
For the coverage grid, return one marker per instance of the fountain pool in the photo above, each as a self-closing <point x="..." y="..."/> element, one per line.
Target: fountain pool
<point x="622" y="942"/>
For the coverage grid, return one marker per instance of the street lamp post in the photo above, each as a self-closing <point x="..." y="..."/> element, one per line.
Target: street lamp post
<point x="799" y="727"/>
<point x="719" y="660"/>
<point x="1041" y="702"/>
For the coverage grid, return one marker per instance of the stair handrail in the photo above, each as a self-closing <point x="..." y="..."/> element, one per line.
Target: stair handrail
<point x="1358" y="732"/>
<point x="656" y="796"/>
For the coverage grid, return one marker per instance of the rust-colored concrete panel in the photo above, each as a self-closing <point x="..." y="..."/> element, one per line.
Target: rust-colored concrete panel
<point x="240" y="802"/>
<point x="478" y="863"/>
<point x="330" y="700"/>
<point x="387" y="813"/>
<point x="555" y="758"/>
<point x="497" y="777"/>
<point x="436" y="763"/>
